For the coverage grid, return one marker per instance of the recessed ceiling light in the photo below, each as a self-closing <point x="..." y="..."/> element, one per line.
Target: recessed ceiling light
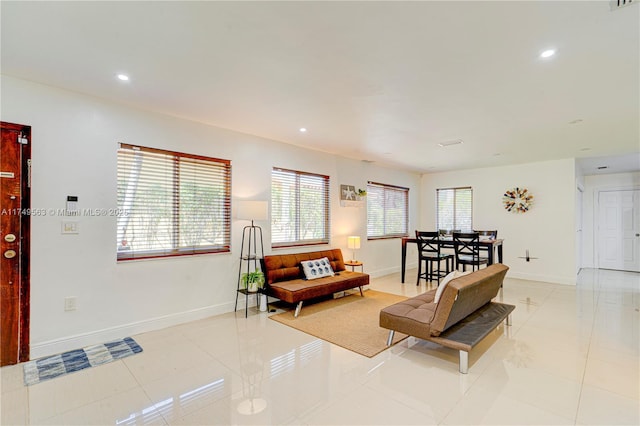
<point x="123" y="77"/>
<point x="303" y="129"/>
<point x="450" y="143"/>
<point x="548" y="53"/>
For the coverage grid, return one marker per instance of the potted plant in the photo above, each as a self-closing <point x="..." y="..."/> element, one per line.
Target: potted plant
<point x="252" y="281"/>
<point x="361" y="194"/>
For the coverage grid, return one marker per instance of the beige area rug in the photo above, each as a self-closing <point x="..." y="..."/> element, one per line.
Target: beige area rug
<point x="351" y="321"/>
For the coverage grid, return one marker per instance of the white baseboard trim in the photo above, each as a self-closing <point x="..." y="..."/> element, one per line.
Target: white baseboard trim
<point x="544" y="278"/>
<point x="56" y="346"/>
<point x="382" y="272"/>
<point x="392" y="270"/>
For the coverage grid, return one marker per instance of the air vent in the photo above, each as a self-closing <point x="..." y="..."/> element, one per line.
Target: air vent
<point x="617" y="4"/>
<point x="450" y="143"/>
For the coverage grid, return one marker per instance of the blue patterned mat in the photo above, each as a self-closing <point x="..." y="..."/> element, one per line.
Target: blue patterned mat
<point x="49" y="367"/>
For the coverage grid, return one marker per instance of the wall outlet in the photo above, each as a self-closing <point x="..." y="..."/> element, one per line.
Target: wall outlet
<point x="70" y="227"/>
<point x="70" y="303"/>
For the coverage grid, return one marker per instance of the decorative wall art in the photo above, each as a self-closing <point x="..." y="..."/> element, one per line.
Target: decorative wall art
<point x="352" y="197"/>
<point x="517" y="200"/>
<point x="348" y="192"/>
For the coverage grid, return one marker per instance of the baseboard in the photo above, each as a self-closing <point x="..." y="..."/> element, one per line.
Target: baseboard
<point x="544" y="278"/>
<point x="56" y="346"/>
<point x="392" y="270"/>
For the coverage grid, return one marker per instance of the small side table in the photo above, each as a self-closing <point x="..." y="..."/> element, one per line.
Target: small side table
<point x="353" y="264"/>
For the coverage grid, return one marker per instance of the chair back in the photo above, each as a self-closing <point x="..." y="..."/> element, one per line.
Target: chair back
<point x="428" y="243"/>
<point x="467" y="244"/>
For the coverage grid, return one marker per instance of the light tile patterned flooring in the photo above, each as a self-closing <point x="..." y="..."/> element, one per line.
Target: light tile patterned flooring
<point x="572" y="356"/>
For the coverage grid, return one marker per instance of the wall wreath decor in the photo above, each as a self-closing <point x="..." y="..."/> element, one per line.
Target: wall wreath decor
<point x="517" y="200"/>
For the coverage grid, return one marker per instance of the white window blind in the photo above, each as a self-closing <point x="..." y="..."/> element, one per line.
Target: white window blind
<point x="299" y="208"/>
<point x="171" y="203"/>
<point x="455" y="209"/>
<point x="387" y="211"/>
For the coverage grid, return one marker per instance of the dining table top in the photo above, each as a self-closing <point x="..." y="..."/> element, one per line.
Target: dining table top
<point x="449" y="239"/>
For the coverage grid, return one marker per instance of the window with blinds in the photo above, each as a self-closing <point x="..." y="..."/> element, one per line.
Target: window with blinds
<point x="387" y="211"/>
<point x="171" y="203"/>
<point x="299" y="208"/>
<point x="454" y="209"/>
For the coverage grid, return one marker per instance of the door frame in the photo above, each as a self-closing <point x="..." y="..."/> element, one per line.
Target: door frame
<point x="596" y="215"/>
<point x="25" y="242"/>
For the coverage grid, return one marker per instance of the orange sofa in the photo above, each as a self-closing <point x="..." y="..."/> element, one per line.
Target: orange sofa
<point x="285" y="280"/>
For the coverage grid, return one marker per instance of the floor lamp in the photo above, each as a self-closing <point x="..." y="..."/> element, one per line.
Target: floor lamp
<point x="252" y="249"/>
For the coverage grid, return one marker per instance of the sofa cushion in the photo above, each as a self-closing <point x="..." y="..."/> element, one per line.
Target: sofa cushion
<point x="317" y="268"/>
<point x="285" y="267"/>
<point x="293" y="291"/>
<point x="412" y="316"/>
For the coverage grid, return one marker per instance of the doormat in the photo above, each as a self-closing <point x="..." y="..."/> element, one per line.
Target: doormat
<point x="53" y="366"/>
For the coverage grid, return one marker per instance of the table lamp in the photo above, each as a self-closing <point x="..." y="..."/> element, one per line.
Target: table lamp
<point x="353" y="242"/>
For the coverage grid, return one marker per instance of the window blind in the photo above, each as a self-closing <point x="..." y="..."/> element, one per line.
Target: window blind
<point x="171" y="203"/>
<point x="387" y="211"/>
<point x="455" y="209"/>
<point x="299" y="208"/>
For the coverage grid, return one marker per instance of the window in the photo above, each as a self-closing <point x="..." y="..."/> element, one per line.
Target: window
<point x="171" y="203"/>
<point x="299" y="208"/>
<point x="454" y="209"/>
<point x="387" y="211"/>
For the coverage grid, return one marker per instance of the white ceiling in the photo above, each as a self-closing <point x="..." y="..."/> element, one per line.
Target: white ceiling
<point x="375" y="81"/>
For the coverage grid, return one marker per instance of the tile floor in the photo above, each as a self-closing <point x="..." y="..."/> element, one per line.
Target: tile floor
<point x="572" y="356"/>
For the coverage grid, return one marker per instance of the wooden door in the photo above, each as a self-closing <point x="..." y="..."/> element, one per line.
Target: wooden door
<point x="619" y="230"/>
<point x="15" y="187"/>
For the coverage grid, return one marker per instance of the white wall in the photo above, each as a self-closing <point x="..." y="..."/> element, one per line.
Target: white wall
<point x="75" y="140"/>
<point x="592" y="186"/>
<point x="547" y="230"/>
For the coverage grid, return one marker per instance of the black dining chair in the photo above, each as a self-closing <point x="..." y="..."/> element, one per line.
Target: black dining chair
<point x="467" y="250"/>
<point x="429" y="252"/>
<point x="487" y="235"/>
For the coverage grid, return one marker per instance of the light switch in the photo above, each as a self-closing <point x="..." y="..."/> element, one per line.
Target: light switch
<point x="70" y="228"/>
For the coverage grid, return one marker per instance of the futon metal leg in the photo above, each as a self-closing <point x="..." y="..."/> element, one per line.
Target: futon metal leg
<point x="361" y="291"/>
<point x="298" y="309"/>
<point x="390" y="338"/>
<point x="509" y="319"/>
<point x="464" y="362"/>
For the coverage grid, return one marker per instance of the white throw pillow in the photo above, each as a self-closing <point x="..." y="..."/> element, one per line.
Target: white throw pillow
<point x="451" y="276"/>
<point x="317" y="268"/>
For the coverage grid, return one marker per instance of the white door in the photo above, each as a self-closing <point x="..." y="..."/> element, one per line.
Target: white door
<point x="619" y="230"/>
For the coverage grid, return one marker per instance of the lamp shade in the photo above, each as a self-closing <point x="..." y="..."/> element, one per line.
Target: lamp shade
<point x="252" y="210"/>
<point x="353" y="242"/>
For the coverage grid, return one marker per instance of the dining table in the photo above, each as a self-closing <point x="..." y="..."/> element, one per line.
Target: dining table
<point x="488" y="245"/>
